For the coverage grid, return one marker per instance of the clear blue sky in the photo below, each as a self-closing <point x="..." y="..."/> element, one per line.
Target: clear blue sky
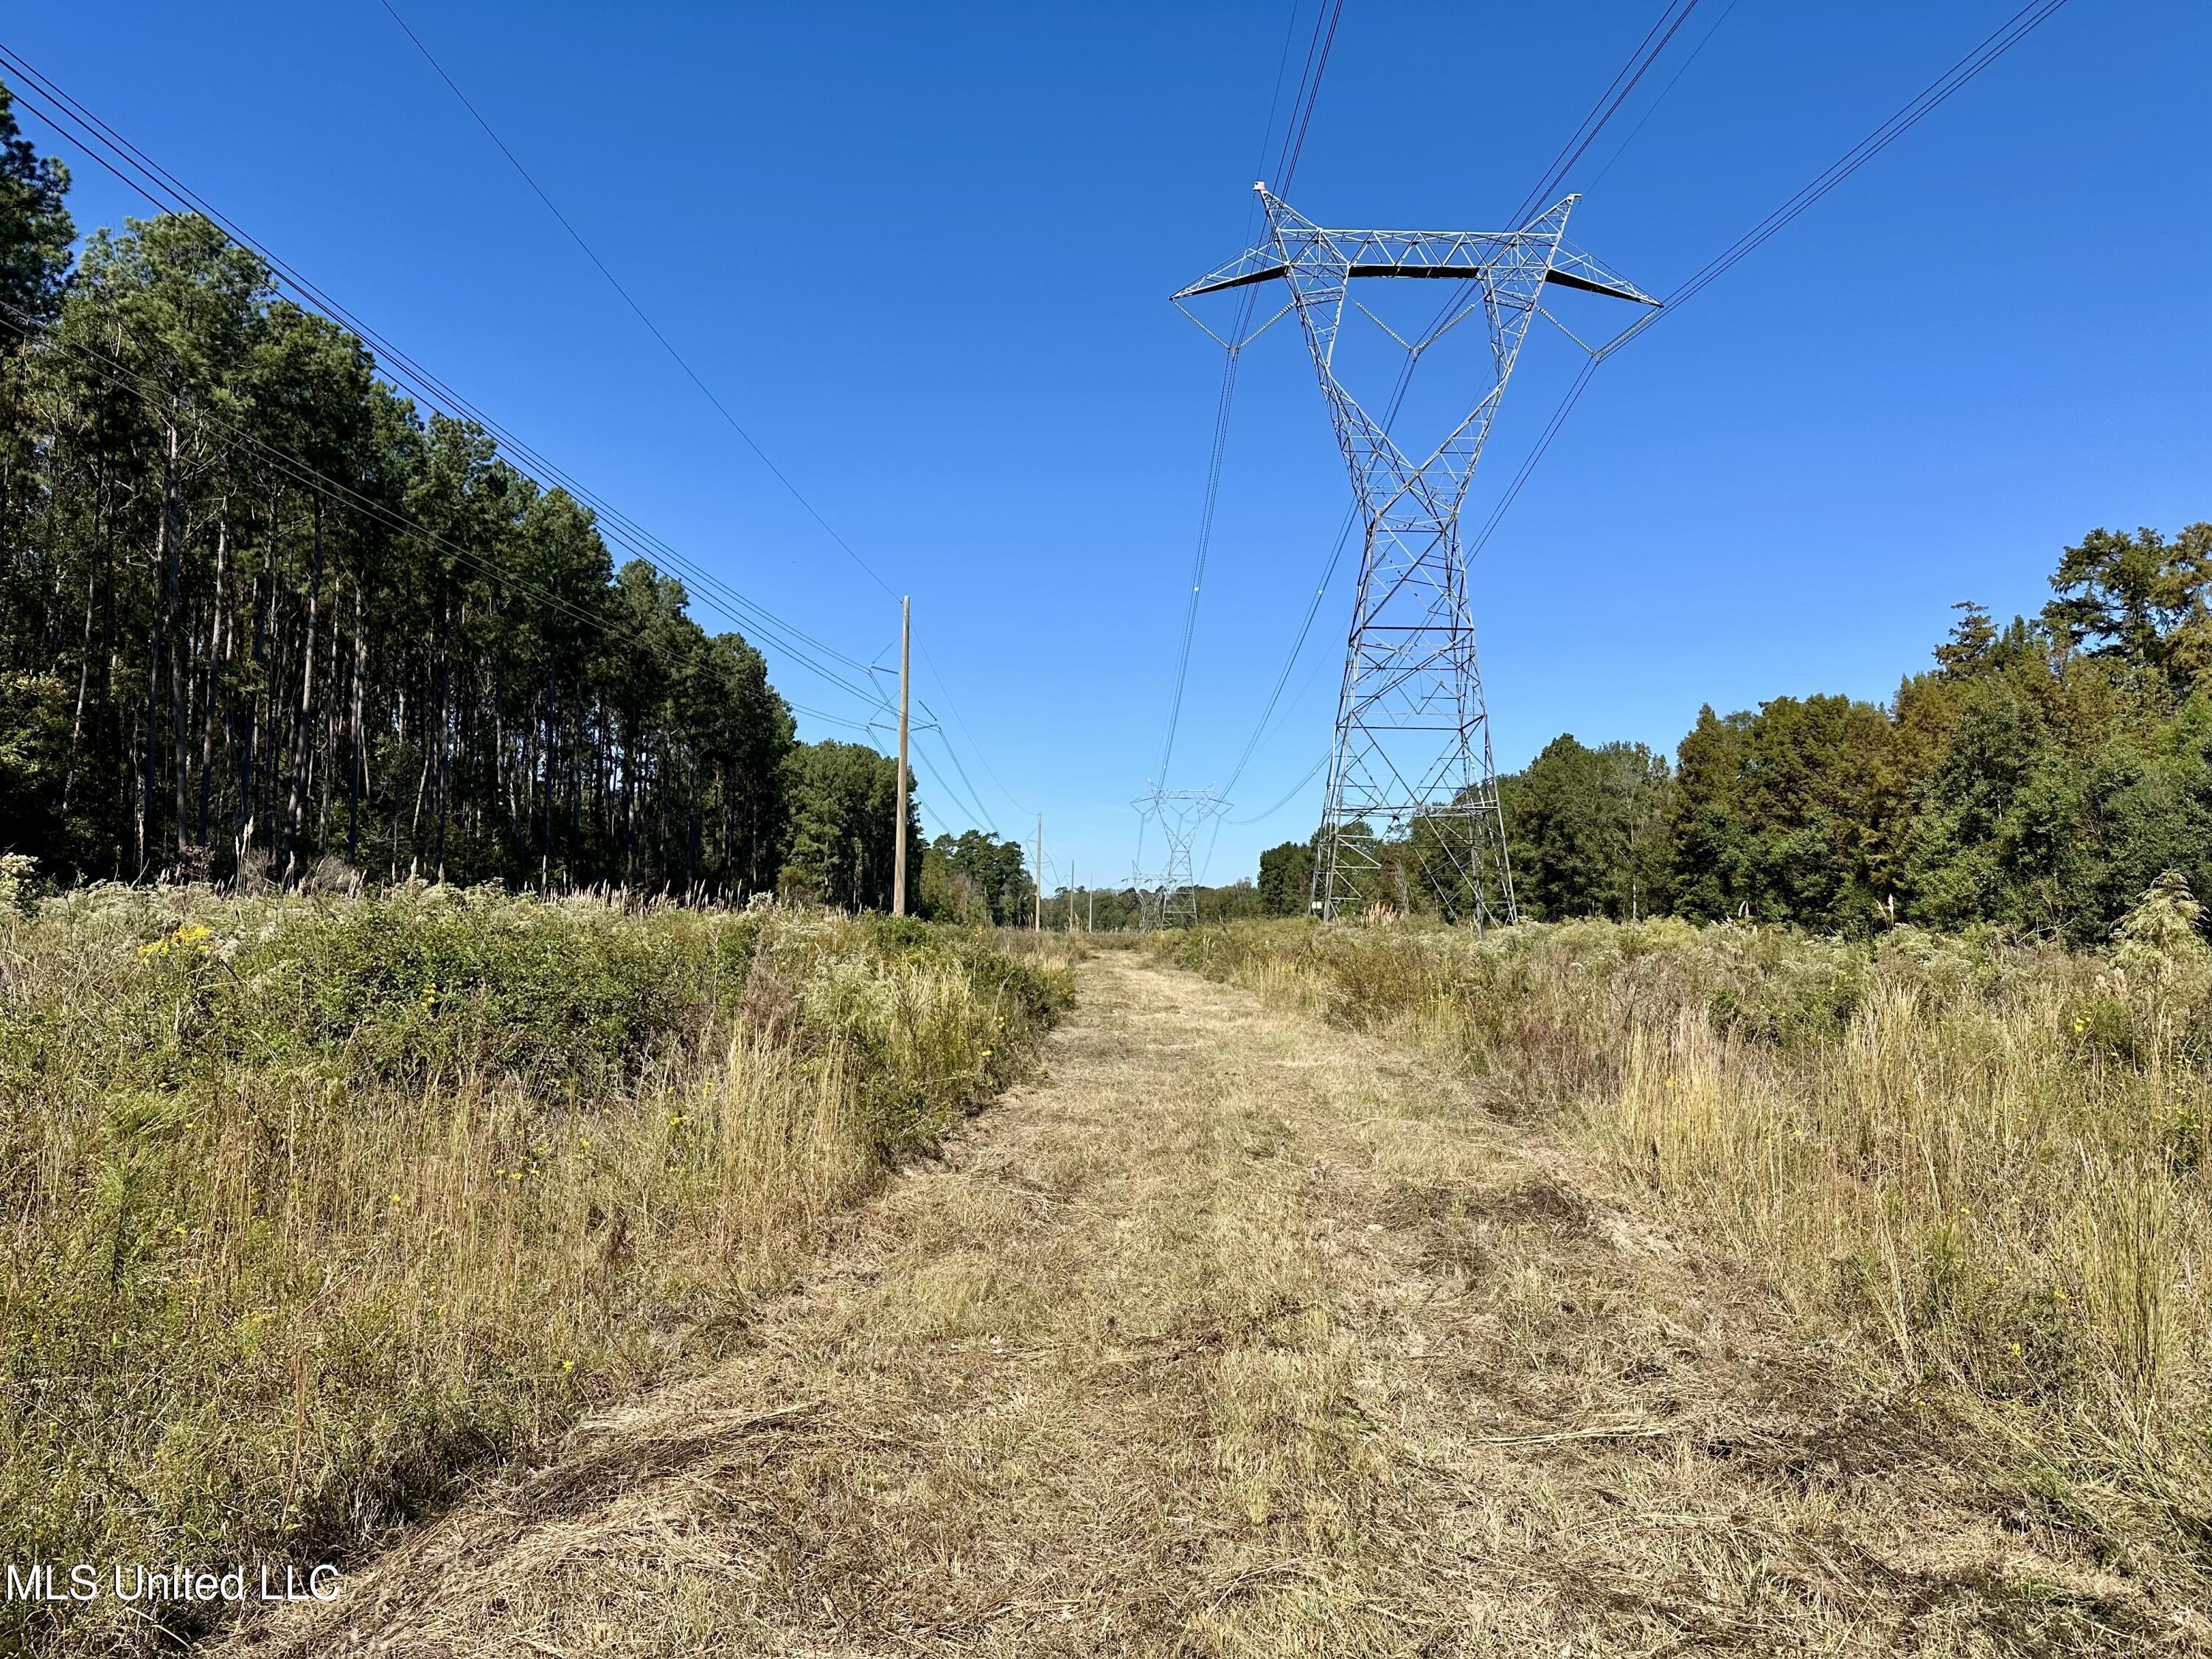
<point x="923" y="253"/>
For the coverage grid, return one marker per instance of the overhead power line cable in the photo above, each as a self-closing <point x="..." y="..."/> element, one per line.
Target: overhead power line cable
<point x="1221" y="407"/>
<point x="652" y="327"/>
<point x="952" y="754"/>
<point x="1302" y="113"/>
<point x="1624" y="83"/>
<point x="1673" y="81"/>
<point x="123" y="378"/>
<point x="166" y="193"/>
<point x="1994" y="47"/>
<point x="983" y="755"/>
<point x="1292" y="795"/>
<point x="1286" y="162"/>
<point x="2000" y="40"/>
<point x="1931" y="97"/>
<point x="1610" y="102"/>
<point x="682" y="362"/>
<point x="922" y="764"/>
<point x="119" y="375"/>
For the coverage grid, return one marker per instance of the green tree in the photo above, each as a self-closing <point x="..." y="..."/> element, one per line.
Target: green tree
<point x="1588" y="830"/>
<point x="843" y="800"/>
<point x="35" y="231"/>
<point x="1286" y="879"/>
<point x="2140" y="597"/>
<point x="976" y="878"/>
<point x="1707" y="829"/>
<point x="256" y="613"/>
<point x="1972" y="638"/>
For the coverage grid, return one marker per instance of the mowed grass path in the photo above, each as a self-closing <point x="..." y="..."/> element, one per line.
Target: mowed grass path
<point x="1234" y="1334"/>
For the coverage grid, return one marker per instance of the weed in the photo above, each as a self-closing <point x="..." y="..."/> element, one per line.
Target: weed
<point x="311" y="1203"/>
<point x="1977" y="1164"/>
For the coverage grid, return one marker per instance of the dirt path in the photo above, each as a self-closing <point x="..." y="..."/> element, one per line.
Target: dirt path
<point x="1235" y="1336"/>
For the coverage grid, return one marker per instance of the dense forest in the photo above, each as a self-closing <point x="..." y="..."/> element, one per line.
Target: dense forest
<point x="2039" y="776"/>
<point x="260" y="618"/>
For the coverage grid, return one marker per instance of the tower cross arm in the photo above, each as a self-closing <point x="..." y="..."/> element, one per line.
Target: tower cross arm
<point x="1258" y="265"/>
<point x="1458" y="256"/>
<point x="1572" y="267"/>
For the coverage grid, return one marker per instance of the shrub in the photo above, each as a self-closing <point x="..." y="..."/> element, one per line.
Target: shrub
<point x="311" y="1203"/>
<point x="1979" y="1164"/>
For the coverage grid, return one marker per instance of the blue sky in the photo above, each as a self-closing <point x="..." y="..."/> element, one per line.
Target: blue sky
<point x="923" y="253"/>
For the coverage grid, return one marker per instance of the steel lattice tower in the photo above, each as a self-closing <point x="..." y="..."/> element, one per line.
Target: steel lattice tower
<point x="1411" y="762"/>
<point x="1182" y="813"/>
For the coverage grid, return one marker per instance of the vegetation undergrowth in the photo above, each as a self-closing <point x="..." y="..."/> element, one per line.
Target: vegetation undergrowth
<point x="311" y="1203"/>
<point x="1978" y="1166"/>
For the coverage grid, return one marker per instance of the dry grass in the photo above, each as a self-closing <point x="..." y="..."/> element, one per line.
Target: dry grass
<point x="1235" y="1335"/>
<point x="1977" y="1169"/>
<point x="311" y="1207"/>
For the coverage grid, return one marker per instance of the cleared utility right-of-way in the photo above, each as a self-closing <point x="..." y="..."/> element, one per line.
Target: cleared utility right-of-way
<point x="1231" y="1334"/>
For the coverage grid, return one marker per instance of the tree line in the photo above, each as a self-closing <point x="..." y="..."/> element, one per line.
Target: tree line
<point x="2039" y="776"/>
<point x="260" y="615"/>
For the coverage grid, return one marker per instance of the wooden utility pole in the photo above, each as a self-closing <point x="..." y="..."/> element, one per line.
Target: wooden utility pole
<point x="1038" y="925"/>
<point x="1071" y="895"/>
<point x="898" y="860"/>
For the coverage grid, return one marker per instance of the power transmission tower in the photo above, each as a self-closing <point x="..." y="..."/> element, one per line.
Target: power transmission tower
<point x="1149" y="895"/>
<point x="1182" y="814"/>
<point x="1410" y="769"/>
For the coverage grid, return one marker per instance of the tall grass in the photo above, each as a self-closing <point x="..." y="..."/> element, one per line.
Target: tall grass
<point x="307" y="1206"/>
<point x="1979" y="1167"/>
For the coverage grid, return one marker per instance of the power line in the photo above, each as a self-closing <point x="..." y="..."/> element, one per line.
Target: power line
<point x="1673" y="81"/>
<point x="1221" y="409"/>
<point x="1301" y="114"/>
<point x="1931" y="97"/>
<point x="166" y="193"/>
<point x="923" y="765"/>
<point x="119" y="375"/>
<point x="668" y="346"/>
<point x="983" y="755"/>
<point x="1609" y="101"/>
<point x="1298" y="648"/>
<point x="1321" y="592"/>
<point x="1624" y="83"/>
<point x="1939" y="91"/>
<point x="1566" y="407"/>
<point x="1945" y="86"/>
<point x="652" y="327"/>
<point x="975" y="797"/>
<point x="1323" y="41"/>
<point x="1292" y="796"/>
<point x="123" y="378"/>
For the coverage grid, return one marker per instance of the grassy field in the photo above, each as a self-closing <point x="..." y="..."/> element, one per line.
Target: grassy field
<point x="1979" y="1167"/>
<point x="311" y="1203"/>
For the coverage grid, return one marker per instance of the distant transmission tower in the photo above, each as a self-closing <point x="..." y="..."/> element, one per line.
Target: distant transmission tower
<point x="1411" y="764"/>
<point x="1181" y="814"/>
